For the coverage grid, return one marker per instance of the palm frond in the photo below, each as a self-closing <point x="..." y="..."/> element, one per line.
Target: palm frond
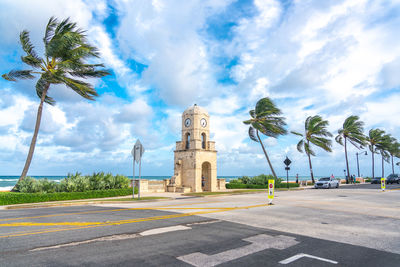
<point x="84" y="89"/>
<point x="18" y="74"/>
<point x="49" y="33"/>
<point x="253" y="134"/>
<point x="40" y="86"/>
<point x="296" y="133"/>
<point x="300" y="146"/>
<point x="31" y="57"/>
<point x="308" y="149"/>
<point x="339" y="139"/>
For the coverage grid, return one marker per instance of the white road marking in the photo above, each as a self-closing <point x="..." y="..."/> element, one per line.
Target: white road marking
<point x="118" y="237"/>
<point x="100" y="239"/>
<point x="164" y="230"/>
<point x="258" y="243"/>
<point x="301" y="255"/>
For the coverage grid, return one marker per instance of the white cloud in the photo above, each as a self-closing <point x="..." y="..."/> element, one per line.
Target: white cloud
<point x="332" y="58"/>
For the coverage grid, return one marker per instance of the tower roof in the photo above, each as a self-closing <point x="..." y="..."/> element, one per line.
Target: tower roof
<point x="195" y="109"/>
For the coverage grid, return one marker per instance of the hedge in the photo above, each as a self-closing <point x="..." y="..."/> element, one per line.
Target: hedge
<point x="9" y="198"/>
<point x="256" y="186"/>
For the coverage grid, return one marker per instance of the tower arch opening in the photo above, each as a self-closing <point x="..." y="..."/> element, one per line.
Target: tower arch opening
<point x="187" y="140"/>
<point x="203" y="140"/>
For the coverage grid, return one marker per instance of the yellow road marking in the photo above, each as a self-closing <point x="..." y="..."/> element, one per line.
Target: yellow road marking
<point x="94" y="224"/>
<point x="102" y="211"/>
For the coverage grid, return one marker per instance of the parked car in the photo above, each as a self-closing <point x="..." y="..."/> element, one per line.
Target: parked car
<point x="393" y="178"/>
<point x="377" y="180"/>
<point x="326" y="182"/>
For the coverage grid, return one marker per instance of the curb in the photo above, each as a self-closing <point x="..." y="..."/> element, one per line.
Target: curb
<point x="68" y="204"/>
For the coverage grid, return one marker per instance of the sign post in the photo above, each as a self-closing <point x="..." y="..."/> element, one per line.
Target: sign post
<point x="287" y="162"/>
<point x="271" y="185"/>
<point x="383" y="184"/>
<point x="137" y="153"/>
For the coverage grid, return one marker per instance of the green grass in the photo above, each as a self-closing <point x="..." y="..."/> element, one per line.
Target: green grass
<point x="224" y="192"/>
<point x="131" y="199"/>
<point x="9" y="198"/>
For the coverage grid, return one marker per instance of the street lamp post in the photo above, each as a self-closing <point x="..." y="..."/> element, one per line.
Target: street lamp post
<point x="358" y="166"/>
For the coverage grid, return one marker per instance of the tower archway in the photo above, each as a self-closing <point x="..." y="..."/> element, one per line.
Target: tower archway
<point x="206" y="176"/>
<point x="203" y="140"/>
<point x="187" y="141"/>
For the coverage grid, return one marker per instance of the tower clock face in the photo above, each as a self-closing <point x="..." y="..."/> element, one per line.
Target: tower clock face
<point x="203" y="122"/>
<point x="187" y="122"/>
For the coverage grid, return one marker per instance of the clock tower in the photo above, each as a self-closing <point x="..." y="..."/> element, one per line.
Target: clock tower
<point x="195" y="157"/>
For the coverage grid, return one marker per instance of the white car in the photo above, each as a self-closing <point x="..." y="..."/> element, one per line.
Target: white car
<point x="326" y="182"/>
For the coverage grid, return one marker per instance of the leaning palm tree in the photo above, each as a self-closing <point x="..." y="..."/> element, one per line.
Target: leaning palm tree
<point x="351" y="131"/>
<point x="314" y="133"/>
<point x="65" y="52"/>
<point x="394" y="150"/>
<point x="265" y="118"/>
<point x="374" y="139"/>
<point x="383" y="148"/>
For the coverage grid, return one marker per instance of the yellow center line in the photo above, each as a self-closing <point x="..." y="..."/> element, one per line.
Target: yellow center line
<point x="100" y="224"/>
<point x="102" y="211"/>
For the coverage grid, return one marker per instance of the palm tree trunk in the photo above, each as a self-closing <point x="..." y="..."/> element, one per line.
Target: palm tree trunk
<point x="373" y="168"/>
<point x="35" y="134"/>
<point x="309" y="163"/>
<point x="311" y="171"/>
<point x="347" y="161"/>
<point x="392" y="165"/>
<point x="266" y="155"/>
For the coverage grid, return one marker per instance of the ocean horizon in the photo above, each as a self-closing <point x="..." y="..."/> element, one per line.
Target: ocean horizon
<point x="7" y="182"/>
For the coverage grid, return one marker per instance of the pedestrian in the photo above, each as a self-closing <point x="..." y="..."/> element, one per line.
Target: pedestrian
<point x="297" y="178"/>
<point x="354" y="178"/>
<point x="333" y="177"/>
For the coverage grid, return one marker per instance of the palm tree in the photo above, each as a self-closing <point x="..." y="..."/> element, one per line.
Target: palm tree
<point x="314" y="132"/>
<point x="374" y="139"/>
<point x="394" y="150"/>
<point x="383" y="148"/>
<point x="265" y="118"/>
<point x="352" y="131"/>
<point x="65" y="52"/>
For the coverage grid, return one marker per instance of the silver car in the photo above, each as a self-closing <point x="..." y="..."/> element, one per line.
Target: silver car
<point x="326" y="182"/>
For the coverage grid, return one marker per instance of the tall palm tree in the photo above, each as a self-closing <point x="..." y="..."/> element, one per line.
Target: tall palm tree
<point x="351" y="131"/>
<point x="394" y="150"/>
<point x="265" y="118"/>
<point x="374" y="139"/>
<point x="314" y="133"/>
<point x="65" y="52"/>
<point x="383" y="148"/>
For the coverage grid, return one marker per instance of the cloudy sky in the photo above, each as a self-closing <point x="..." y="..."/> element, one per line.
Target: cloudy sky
<point x="333" y="58"/>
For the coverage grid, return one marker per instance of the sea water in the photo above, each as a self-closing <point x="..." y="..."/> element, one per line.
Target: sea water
<point x="8" y="182"/>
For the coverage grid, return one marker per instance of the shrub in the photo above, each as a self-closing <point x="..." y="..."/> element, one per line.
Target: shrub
<point x="46" y="186"/>
<point x="121" y="181"/>
<point x="261" y="179"/>
<point x="27" y="185"/>
<point x="74" y="183"/>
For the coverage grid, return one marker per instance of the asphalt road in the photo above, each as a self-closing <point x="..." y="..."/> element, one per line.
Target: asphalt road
<point x="234" y="231"/>
<point x="370" y="186"/>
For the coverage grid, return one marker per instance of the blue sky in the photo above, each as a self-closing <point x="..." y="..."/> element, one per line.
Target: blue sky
<point x="333" y="58"/>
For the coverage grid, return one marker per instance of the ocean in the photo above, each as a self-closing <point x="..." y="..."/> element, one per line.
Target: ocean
<point x="8" y="182"/>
